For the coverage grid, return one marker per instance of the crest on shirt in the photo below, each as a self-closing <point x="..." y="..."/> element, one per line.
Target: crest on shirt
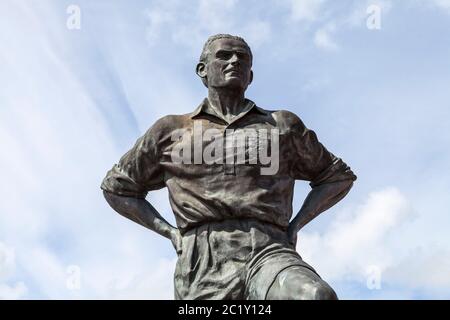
<point x="247" y="146"/>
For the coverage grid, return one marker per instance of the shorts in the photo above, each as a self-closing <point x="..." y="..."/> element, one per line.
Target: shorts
<point x="232" y="259"/>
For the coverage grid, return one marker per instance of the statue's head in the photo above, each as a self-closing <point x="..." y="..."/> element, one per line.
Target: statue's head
<point x="226" y="62"/>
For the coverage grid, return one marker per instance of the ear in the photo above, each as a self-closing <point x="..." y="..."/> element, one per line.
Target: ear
<point x="251" y="77"/>
<point x="201" y="70"/>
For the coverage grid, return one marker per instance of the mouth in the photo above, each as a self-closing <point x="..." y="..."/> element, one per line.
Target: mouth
<point x="233" y="72"/>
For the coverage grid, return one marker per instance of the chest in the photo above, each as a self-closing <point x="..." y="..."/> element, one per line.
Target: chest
<point x="204" y="147"/>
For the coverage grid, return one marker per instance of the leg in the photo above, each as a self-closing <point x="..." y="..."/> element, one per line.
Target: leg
<point x="299" y="283"/>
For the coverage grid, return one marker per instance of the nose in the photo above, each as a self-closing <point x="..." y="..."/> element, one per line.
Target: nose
<point x="234" y="59"/>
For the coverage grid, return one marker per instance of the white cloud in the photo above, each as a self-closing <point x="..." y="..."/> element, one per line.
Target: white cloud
<point x="9" y="289"/>
<point x="340" y="22"/>
<point x="7" y="261"/>
<point x="306" y="10"/>
<point x="60" y="145"/>
<point x="444" y="4"/>
<point x="59" y="130"/>
<point x="323" y="38"/>
<point x="426" y="267"/>
<point x="355" y="239"/>
<point x="157" y="17"/>
<point x="156" y="283"/>
<point x="375" y="235"/>
<point x="257" y="32"/>
<point x="190" y="24"/>
<point x="358" y="15"/>
<point x="14" y="292"/>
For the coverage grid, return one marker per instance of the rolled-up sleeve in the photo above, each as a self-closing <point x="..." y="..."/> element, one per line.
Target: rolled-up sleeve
<point x="313" y="162"/>
<point x="138" y="171"/>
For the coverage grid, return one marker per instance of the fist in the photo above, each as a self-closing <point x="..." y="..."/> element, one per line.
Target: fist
<point x="292" y="237"/>
<point x="176" y="239"/>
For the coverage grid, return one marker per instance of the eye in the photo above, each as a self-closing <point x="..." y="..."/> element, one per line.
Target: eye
<point x="224" y="55"/>
<point x="243" y="56"/>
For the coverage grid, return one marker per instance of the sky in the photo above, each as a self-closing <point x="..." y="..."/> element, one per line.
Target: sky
<point x="371" y="78"/>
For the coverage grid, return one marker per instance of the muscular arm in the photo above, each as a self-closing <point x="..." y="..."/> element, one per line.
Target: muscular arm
<point x="141" y="211"/>
<point x="319" y="199"/>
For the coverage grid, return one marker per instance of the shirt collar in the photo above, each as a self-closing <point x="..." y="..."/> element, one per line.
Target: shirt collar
<point x="205" y="108"/>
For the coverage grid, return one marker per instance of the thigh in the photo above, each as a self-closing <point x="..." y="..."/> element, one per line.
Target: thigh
<point x="264" y="269"/>
<point x="211" y="264"/>
<point x="299" y="283"/>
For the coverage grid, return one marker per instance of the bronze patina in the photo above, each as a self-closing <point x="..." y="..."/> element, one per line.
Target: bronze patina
<point x="230" y="168"/>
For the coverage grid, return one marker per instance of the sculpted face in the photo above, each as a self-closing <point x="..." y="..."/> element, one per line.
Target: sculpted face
<point x="228" y="66"/>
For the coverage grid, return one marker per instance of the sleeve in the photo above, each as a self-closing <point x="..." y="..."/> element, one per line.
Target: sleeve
<point x="138" y="171"/>
<point x="313" y="162"/>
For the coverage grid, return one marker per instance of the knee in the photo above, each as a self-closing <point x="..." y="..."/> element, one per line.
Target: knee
<point x="303" y="285"/>
<point x="322" y="291"/>
<point x="314" y="290"/>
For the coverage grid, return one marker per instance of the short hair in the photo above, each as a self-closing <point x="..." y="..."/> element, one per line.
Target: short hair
<point x="206" y="51"/>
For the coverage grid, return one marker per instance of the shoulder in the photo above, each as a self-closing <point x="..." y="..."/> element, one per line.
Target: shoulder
<point x="286" y="120"/>
<point x="161" y="131"/>
<point x="166" y="125"/>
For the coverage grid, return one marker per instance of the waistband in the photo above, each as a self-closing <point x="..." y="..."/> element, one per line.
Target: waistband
<point x="243" y="224"/>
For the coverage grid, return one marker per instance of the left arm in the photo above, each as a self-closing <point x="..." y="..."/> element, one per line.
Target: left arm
<point x="330" y="178"/>
<point x="319" y="199"/>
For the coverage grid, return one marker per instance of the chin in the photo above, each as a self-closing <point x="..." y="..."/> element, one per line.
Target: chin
<point x="233" y="83"/>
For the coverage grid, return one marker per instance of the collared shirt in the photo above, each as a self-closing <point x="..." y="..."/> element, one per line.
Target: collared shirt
<point x="202" y="190"/>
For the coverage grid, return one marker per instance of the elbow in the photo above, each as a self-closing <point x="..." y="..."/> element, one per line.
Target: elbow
<point x="114" y="201"/>
<point x="125" y="206"/>
<point x="346" y="185"/>
<point x="349" y="180"/>
<point x="349" y="183"/>
<point x="108" y="197"/>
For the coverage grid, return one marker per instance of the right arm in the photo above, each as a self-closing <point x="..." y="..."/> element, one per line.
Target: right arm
<point x="139" y="171"/>
<point x="141" y="211"/>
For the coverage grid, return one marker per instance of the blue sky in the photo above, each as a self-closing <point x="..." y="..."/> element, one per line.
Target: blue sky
<point x="73" y="101"/>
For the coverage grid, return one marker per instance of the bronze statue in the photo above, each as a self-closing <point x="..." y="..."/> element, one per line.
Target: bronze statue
<point x="232" y="201"/>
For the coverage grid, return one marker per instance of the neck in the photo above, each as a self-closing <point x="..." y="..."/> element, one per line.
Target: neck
<point x="225" y="100"/>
